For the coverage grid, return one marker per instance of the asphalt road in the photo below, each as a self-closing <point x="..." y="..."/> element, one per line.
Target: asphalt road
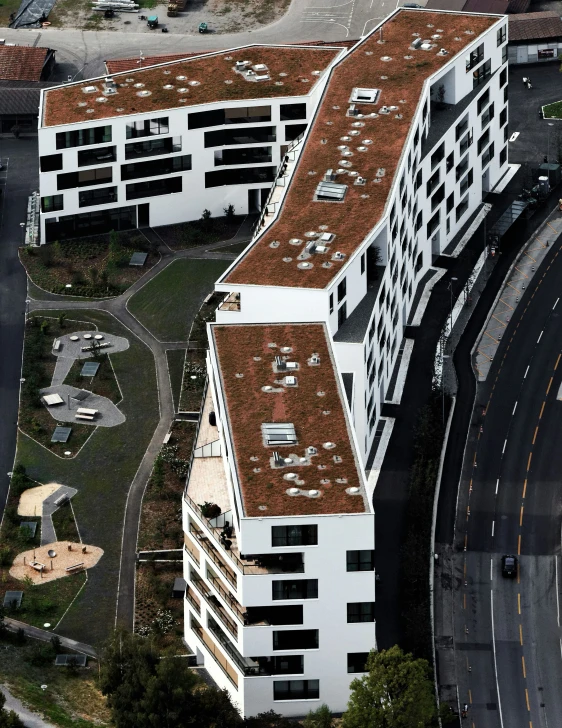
<point x="509" y="652"/>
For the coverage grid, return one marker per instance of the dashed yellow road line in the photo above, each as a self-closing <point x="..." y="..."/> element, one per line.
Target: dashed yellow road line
<point x="519" y="545"/>
<point x="521" y="517"/>
<point x="535" y="435"/>
<point x="529" y="461"/>
<point x="519" y="603"/>
<point x="524" y="487"/>
<point x="542" y="410"/>
<point x="527" y="700"/>
<point x="521" y="643"/>
<point x="549" y="386"/>
<point x="557" y="362"/>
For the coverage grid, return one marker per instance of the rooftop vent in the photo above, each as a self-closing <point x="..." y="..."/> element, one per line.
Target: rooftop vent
<point x="338" y="256"/>
<point x="110" y="86"/>
<point x="384" y="110"/>
<point x="352" y="111"/>
<point x="290" y="381"/>
<point x="310" y="247"/>
<point x="311" y="450"/>
<point x="321" y="249"/>
<point x="386" y="58"/>
<point x="315" y="359"/>
<point x="89" y="89"/>
<point x="360" y="181"/>
<point x="329" y="176"/>
<point x="365" y="95"/>
<point x="443" y="52"/>
<point x="416" y="43"/>
<point x="329" y="445"/>
<point x="426" y="46"/>
<point x="279" y="433"/>
<point x="260" y="67"/>
<point x="241" y="64"/>
<point x="326" y="237"/>
<point x="330" y="192"/>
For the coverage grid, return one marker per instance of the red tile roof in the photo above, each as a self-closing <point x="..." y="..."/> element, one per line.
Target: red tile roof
<point x="22" y="63"/>
<point x="535" y="26"/>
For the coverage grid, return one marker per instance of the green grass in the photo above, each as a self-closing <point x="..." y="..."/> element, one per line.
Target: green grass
<point x="102" y="474"/>
<point x="48" y="602"/>
<point x="235" y="248"/>
<point x="553" y="111"/>
<point x="176" y="358"/>
<point x="65" y="525"/>
<point x="167" y="304"/>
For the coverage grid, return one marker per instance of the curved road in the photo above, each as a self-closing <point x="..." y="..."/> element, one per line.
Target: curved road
<point x="507" y="631"/>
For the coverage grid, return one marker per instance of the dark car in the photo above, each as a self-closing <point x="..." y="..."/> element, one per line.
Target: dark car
<point x="509" y="566"/>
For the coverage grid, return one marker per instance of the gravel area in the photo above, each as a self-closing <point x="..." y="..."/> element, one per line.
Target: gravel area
<point x="63" y="559"/>
<point x="109" y="415"/>
<point x="31" y="500"/>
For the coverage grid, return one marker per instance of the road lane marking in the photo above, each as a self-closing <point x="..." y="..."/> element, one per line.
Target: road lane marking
<point x="491" y="569"/>
<point x="521" y="517"/>
<point x="556" y="301"/>
<point x="524" y="487"/>
<point x="542" y="410"/>
<point x="495" y="658"/>
<point x="497" y="485"/>
<point x="557" y="592"/>
<point x="514" y="408"/>
<point x="527" y="700"/>
<point x="521" y="643"/>
<point x="504" y="446"/>
<point x="493" y="526"/>
<point x="470" y="696"/>
<point x="519" y="545"/>
<point x="526" y="372"/>
<point x="535" y="435"/>
<point x="519" y="603"/>
<point x="464" y="601"/>
<point x="529" y="461"/>
<point x="540" y="336"/>
<point x="557" y="362"/>
<point x="549" y="386"/>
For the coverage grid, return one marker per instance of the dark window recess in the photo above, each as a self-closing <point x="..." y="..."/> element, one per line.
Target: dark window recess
<point x="461" y="208"/>
<point x="432" y="182"/>
<point x="450" y="162"/>
<point x="156" y="167"/>
<point x="331" y="303"/>
<point x="419" y="220"/>
<point x="438" y="155"/>
<point x="83" y="137"/>
<point x="226" y="137"/>
<point x="101" y="196"/>
<point x="483" y="141"/>
<point x="306" y="535"/>
<point x="295" y="589"/>
<point x="402" y="184"/>
<point x="243" y="176"/>
<point x="360" y="560"/>
<point x="360" y="612"/>
<point x="503" y="156"/>
<point x="488" y="155"/>
<point x="253" y="155"/>
<point x="475" y="57"/>
<point x="483" y="101"/>
<point x="505" y="94"/>
<point x="461" y="168"/>
<point x="357" y="661"/>
<point x="481" y="74"/>
<point x="290" y="614"/>
<point x="90" y="223"/>
<point x="438" y="197"/>
<point x="50" y="162"/>
<point x="147" y="127"/>
<point x="488" y="115"/>
<point x="467" y="181"/>
<point x="296" y="689"/>
<point x="363" y="258"/>
<point x="280" y="665"/>
<point x="101" y="155"/>
<point x="461" y="127"/>
<point x="433" y="224"/>
<point x="292" y="131"/>
<point x="503" y="117"/>
<point x="450" y="202"/>
<point x="342" y="290"/>
<point x="84" y="178"/>
<point x="291" y="112"/>
<point x="52" y="203"/>
<point x="504" y="54"/>
<point x="154" y="187"/>
<point x="218" y="117"/>
<point x="295" y="639"/>
<point x="417" y="137"/>
<point x="418" y="181"/>
<point x="506" y="133"/>
<point x="501" y="35"/>
<point x="465" y="143"/>
<point x="503" y="77"/>
<point x="342" y="314"/>
<point x="152" y="147"/>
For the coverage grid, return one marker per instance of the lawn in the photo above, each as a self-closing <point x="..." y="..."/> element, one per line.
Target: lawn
<point x="6" y="9"/>
<point x="96" y="266"/>
<point x="199" y="232"/>
<point x="167" y="304"/>
<point x="553" y="111"/>
<point x="176" y="359"/>
<point x="102" y="473"/>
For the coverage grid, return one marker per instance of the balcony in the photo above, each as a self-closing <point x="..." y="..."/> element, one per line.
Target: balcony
<point x="214" y="603"/>
<point x="191" y="549"/>
<point x="213" y="554"/>
<point x="216" y="654"/>
<point x="245" y="664"/>
<point x="193" y="600"/>
<point x="231" y="303"/>
<point x="232" y="602"/>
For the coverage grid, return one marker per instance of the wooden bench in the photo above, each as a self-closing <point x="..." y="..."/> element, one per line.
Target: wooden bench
<point x="57" y="345"/>
<point x="61" y="499"/>
<point x="84" y="417"/>
<point x="75" y="566"/>
<point x="86" y="411"/>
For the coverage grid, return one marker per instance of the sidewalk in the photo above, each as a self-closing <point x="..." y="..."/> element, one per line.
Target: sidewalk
<point x="42" y="634"/>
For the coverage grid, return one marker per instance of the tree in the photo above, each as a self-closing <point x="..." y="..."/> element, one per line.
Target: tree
<point x="397" y="693"/>
<point x="8" y="719"/>
<point x="206" y="219"/>
<point x="320" y="718"/>
<point x="62" y="317"/>
<point x="229" y="213"/>
<point x="268" y="720"/>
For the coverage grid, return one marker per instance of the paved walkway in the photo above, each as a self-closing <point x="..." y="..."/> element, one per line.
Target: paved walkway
<point x="48" y="533"/>
<point x="37" y="633"/>
<point x="118" y="308"/>
<point x="29" y="719"/>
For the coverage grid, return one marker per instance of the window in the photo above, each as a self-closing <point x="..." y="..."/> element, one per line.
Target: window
<point x="280" y="665"/>
<point x="82" y="137"/>
<point x="488" y="155"/>
<point x="290" y="112"/>
<point x="295" y="589"/>
<point x="461" y="208"/>
<point x="360" y="560"/>
<point x="292" y="131"/>
<point x="50" y="162"/>
<point x="483" y="141"/>
<point x="153" y="147"/>
<point x="240" y="176"/>
<point x="506" y="94"/>
<point x="296" y="689"/>
<point x="154" y="187"/>
<point x="448" y="225"/>
<point x="393" y="212"/>
<point x="342" y="314"/>
<point x="503" y="156"/>
<point x="475" y="57"/>
<point x="306" y="535"/>
<point x="483" y="100"/>
<point x="363" y="257"/>
<point x="504" y="54"/>
<point x="417" y="137"/>
<point x="450" y="202"/>
<point x="101" y="155"/>
<point x="450" y="163"/>
<point x="418" y="180"/>
<point x="331" y="303"/>
<point x="503" y="117"/>
<point x="501" y="35"/>
<point x="433" y="224"/>
<point x="357" y="661"/>
<point x="249" y="135"/>
<point x="466" y="182"/>
<point x="342" y="289"/>
<point x="461" y="127"/>
<point x="481" y="74"/>
<point x="274" y="615"/>
<point x="432" y="182"/>
<point x="506" y="133"/>
<point x="438" y="155"/>
<point x="360" y="612"/>
<point x="419" y="220"/>
<point x="90" y="223"/>
<point x="466" y="142"/>
<point x="101" y="196"/>
<point x="461" y="168"/>
<point x="487" y="116"/>
<point x="52" y="203"/>
<point x="147" y="127"/>
<point x="503" y="77"/>
<point x="156" y="167"/>
<point x="295" y="639"/>
<point x="438" y="197"/>
<point x="85" y="178"/>
<point x="240" y="115"/>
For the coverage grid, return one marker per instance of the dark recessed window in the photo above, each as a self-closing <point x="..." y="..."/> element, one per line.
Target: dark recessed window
<point x="488" y="155"/>
<point x="483" y="141"/>
<point x="50" y="162"/>
<point x="152" y="147"/>
<point x="461" y="127"/>
<point x="487" y="116"/>
<point x="438" y="197"/>
<point x="292" y="131"/>
<point x="432" y="182"/>
<point x="342" y="314"/>
<point x="450" y="202"/>
<point x="360" y="560"/>
<point x="503" y="117"/>
<point x="503" y="156"/>
<point x="166" y="186"/>
<point x="83" y="137"/>
<point x="147" y="127"/>
<point x="450" y="163"/>
<point x="474" y="58"/>
<point x="360" y="612"/>
<point x="483" y="100"/>
<point x="248" y="135"/>
<point x="239" y="115"/>
<point x="295" y="589"/>
<point x="466" y="142"/>
<point x="100" y="155"/>
<point x="481" y="74"/>
<point x="501" y="35"/>
<point x="342" y="290"/>
<point x="503" y="77"/>
<point x="331" y="303"/>
<point x="84" y="178"/>
<point x="240" y="176"/>
<point x="156" y="167"/>
<point x="433" y="224"/>
<point x="98" y="196"/>
<point x="461" y="208"/>
<point x="305" y="535"/>
<point x="296" y="689"/>
<point x="357" y="661"/>
<point x="52" y="203"/>
<point x="438" y="155"/>
<point x="295" y="639"/>
<point x="466" y="182"/>
<point x="251" y="155"/>
<point x="504" y="54"/>
<point x="461" y="168"/>
<point x="291" y="112"/>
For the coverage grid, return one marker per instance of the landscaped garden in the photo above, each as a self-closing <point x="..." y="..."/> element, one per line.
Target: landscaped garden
<point x="206" y="231"/>
<point x="553" y="111"/>
<point x="157" y="613"/>
<point x="93" y="267"/>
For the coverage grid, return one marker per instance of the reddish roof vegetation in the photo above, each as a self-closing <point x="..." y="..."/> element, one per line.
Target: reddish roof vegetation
<point x="400" y="80"/>
<point x="22" y="63"/>
<point x="207" y="79"/>
<point x="248" y="350"/>
<point x="120" y="65"/>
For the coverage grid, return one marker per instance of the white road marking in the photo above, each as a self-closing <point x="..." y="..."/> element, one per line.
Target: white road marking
<point x="526" y="372"/>
<point x="504" y="446"/>
<point x="514" y="136"/>
<point x="495" y="659"/>
<point x="491" y="569"/>
<point x="555" y="304"/>
<point x="497" y="485"/>
<point x="557" y="594"/>
<point x="493" y="527"/>
<point x="540" y="336"/>
<point x="513" y="411"/>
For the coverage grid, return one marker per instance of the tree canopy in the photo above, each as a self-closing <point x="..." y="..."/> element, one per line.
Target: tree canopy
<point x="397" y="693"/>
<point x="8" y="719"/>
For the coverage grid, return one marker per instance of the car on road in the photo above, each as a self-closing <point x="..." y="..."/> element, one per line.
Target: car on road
<point x="509" y="566"/>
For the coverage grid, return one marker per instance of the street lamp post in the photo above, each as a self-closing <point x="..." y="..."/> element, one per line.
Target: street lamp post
<point x="22" y="226"/>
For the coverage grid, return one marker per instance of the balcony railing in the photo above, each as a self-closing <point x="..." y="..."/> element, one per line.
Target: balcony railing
<point x="211" y="551"/>
<point x="228" y="597"/>
<point x="245" y="665"/>
<point x="192" y="599"/>
<point x="216" y="654"/>
<point x="214" y="603"/>
<point x="191" y="550"/>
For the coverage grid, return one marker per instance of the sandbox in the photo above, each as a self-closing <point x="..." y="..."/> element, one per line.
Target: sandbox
<point x="65" y="563"/>
<point x="31" y="500"/>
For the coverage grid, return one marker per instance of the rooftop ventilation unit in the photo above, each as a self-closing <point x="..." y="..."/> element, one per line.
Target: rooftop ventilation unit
<point x="329" y="176"/>
<point x="416" y="43"/>
<point x="310" y="247"/>
<point x="311" y="450"/>
<point x="352" y="111"/>
<point x="292" y="365"/>
<point x="290" y="381"/>
<point x="321" y="249"/>
<point x="384" y="110"/>
<point x="338" y="255"/>
<point x="326" y="237"/>
<point x="443" y="52"/>
<point x="426" y="46"/>
<point x="315" y="359"/>
<point x="331" y="192"/>
<point x="360" y="181"/>
<point x="279" y="433"/>
<point x="260" y="67"/>
<point x="89" y="89"/>
<point x="241" y="64"/>
<point x="280" y="364"/>
<point x="365" y="95"/>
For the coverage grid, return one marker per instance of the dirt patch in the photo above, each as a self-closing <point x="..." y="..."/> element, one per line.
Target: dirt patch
<point x="31" y="500"/>
<point x="64" y="558"/>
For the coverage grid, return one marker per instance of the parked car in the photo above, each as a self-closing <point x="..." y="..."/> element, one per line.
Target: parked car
<point x="509" y="566"/>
